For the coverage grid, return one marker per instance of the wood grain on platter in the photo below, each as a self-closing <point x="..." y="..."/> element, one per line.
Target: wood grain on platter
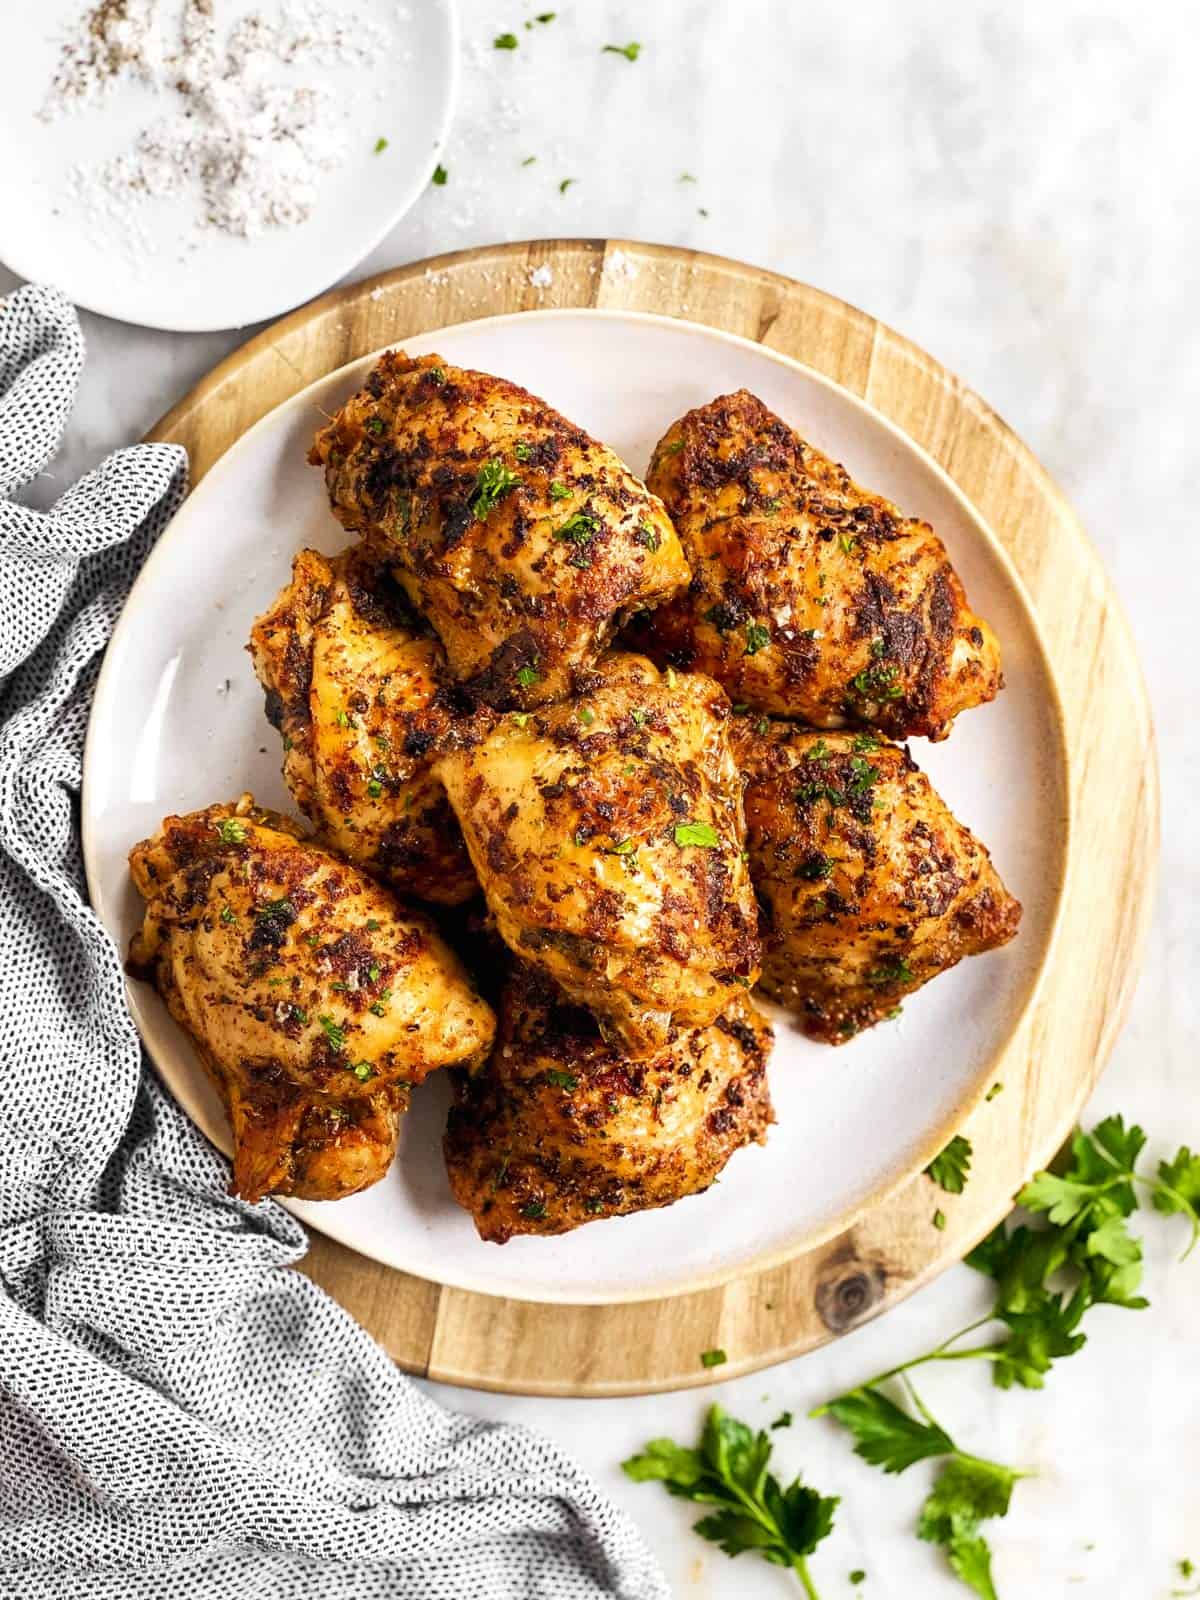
<point x="1062" y="1042"/>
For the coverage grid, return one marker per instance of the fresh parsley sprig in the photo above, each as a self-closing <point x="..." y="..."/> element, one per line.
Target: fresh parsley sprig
<point x="753" y="1511"/>
<point x="1079" y="1253"/>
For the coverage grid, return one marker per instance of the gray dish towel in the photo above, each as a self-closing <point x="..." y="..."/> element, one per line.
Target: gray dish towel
<point x="173" y="1398"/>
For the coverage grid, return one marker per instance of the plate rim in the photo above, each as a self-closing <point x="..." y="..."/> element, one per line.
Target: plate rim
<point x="407" y="197"/>
<point x="901" y="1172"/>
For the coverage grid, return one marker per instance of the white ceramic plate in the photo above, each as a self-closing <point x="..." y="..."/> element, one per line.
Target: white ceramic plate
<point x="190" y="278"/>
<point x="178" y="723"/>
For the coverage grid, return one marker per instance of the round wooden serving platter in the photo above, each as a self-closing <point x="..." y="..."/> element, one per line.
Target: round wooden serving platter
<point x="1064" y="1038"/>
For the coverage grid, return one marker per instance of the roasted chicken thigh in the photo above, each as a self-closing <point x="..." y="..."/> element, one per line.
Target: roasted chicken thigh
<point x="869" y="886"/>
<point x="607" y="833"/>
<point x="810" y="597"/>
<point x="359" y="689"/>
<point x="560" y="1128"/>
<point x="313" y="997"/>
<point x="523" y="541"/>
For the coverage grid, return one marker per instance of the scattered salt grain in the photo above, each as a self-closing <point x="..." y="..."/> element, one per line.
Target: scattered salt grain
<point x="618" y="265"/>
<point x="248" y="135"/>
<point x="541" y="277"/>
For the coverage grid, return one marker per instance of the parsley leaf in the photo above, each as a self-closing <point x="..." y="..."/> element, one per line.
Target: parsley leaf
<point x="950" y="1168"/>
<point x="887" y="1436"/>
<point x="231" y="830"/>
<point x="753" y="1511"/>
<point x="505" y="41"/>
<point x="701" y="834"/>
<point x="492" y="482"/>
<point x="758" y="638"/>
<point x="440" y="175"/>
<point x="630" y="51"/>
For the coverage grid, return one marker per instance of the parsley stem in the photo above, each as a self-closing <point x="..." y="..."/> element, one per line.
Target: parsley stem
<point x="800" y="1568"/>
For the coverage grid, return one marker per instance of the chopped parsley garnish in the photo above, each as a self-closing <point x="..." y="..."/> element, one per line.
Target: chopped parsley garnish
<point x="545" y="16"/>
<point x="522" y="452"/>
<point x="521" y="717"/>
<point x="762" y="726"/>
<point x="505" y="41"/>
<point x="815" y="868"/>
<point x="534" y="1210"/>
<point x="228" y="914"/>
<point x="624" y="847"/>
<point x="559" y="491"/>
<point x="335" y="1035"/>
<point x="579" y="529"/>
<point x="343" y="720"/>
<point x="566" y="184"/>
<point x="890" y="972"/>
<point x="648" y="536"/>
<point x="817" y="752"/>
<point x="440" y="175"/>
<point x="783" y="1420"/>
<point x="949" y="1169"/>
<point x="529" y="161"/>
<point x="561" y="1080"/>
<point x="363" y="1070"/>
<point x="700" y="834"/>
<point x="587" y="716"/>
<point x="374" y="425"/>
<point x="374" y="788"/>
<point x="492" y="482"/>
<point x="299" y="1013"/>
<point x="939" y="1220"/>
<point x="276" y="909"/>
<point x="381" y="145"/>
<point x="630" y="51"/>
<point x="527" y="676"/>
<point x="372" y="923"/>
<point x="865" y="743"/>
<point x="880" y="682"/>
<point x="674" y="447"/>
<point x="639" y="715"/>
<point x="438" y="375"/>
<point x="847" y="542"/>
<point x="758" y="638"/>
<point x="231" y="830"/>
<point x="993" y="1091"/>
<point x="713" y="1358"/>
<point x="687" y="177"/>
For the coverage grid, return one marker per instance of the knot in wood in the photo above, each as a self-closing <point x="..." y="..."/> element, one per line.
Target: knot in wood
<point x="848" y="1292"/>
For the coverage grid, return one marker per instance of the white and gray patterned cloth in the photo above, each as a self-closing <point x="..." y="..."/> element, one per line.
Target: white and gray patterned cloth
<point x="181" y="1413"/>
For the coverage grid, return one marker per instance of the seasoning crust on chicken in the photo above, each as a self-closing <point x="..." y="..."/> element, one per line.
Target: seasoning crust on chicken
<point x="607" y="833"/>
<point x="561" y="1129"/>
<point x="868" y="884"/>
<point x="313" y="998"/>
<point x="810" y="597"/>
<point x="523" y="541"/>
<point x="359" y="689"/>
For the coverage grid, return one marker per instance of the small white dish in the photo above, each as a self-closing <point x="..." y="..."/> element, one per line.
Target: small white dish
<point x="156" y="266"/>
<point x="177" y="724"/>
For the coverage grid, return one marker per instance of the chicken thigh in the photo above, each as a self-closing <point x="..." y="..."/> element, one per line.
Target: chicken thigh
<point x="810" y="596"/>
<point x="313" y="998"/>
<point x="868" y="884"/>
<point x="607" y="833"/>
<point x="560" y="1128"/>
<point x="523" y="541"/>
<point x="360" y="691"/>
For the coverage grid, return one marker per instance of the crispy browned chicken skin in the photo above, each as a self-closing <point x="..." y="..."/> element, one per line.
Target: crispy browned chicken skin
<point x="810" y="596"/>
<point x="359" y="688"/>
<point x="607" y="833"/>
<point x="523" y="541"/>
<point x="560" y="1129"/>
<point x="869" y="886"/>
<point x="313" y="998"/>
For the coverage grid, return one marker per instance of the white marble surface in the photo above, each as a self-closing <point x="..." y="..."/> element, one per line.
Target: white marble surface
<point x="1014" y="187"/>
